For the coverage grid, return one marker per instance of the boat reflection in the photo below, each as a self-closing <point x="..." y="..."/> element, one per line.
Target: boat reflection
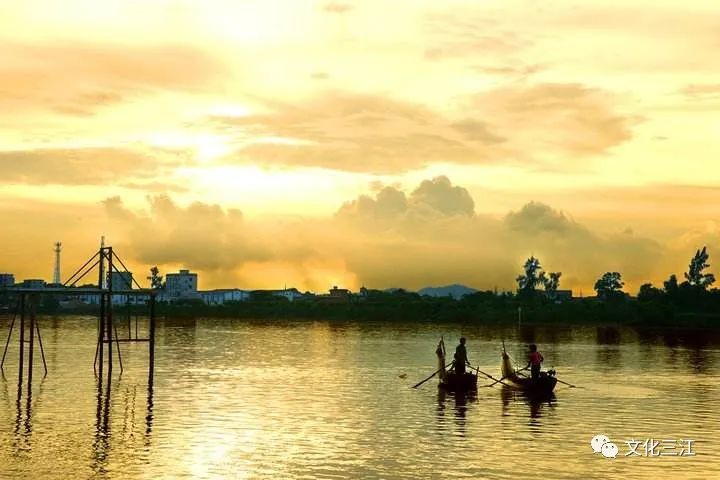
<point x="536" y="403"/>
<point x="458" y="402"/>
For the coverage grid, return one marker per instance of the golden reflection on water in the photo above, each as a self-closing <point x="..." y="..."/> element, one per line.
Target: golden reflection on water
<point x="236" y="399"/>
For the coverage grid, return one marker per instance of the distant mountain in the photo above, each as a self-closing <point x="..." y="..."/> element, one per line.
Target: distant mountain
<point x="455" y="291"/>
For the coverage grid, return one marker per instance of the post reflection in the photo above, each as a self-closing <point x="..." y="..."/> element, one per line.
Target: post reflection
<point x="105" y="438"/>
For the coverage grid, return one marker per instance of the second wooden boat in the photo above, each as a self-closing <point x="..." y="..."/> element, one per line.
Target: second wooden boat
<point x="543" y="385"/>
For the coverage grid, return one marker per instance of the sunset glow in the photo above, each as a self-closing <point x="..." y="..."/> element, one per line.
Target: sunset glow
<point x="372" y="143"/>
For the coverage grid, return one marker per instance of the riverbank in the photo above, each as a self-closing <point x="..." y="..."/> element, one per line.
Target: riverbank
<point x="503" y="311"/>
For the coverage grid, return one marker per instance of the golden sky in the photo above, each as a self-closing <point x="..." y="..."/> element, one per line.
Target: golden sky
<point x="403" y="143"/>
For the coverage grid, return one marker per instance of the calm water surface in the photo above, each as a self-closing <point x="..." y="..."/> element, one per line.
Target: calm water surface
<point x="291" y="400"/>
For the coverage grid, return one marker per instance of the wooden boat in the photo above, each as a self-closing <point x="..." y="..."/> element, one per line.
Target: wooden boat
<point x="543" y="385"/>
<point x="451" y="381"/>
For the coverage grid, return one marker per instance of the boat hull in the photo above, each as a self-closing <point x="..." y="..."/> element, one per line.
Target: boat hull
<point x="453" y="382"/>
<point x="543" y="385"/>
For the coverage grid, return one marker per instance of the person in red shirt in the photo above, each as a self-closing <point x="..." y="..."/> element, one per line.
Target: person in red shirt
<point x="535" y="361"/>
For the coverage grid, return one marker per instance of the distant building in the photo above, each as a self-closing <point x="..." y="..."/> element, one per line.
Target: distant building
<point x="290" y="293"/>
<point x="224" y="295"/>
<point x="122" y="280"/>
<point x="339" y="292"/>
<point x="7" y="280"/>
<point x="33" y="283"/>
<point x="181" y="285"/>
<point x="563" y="295"/>
<point x="337" y="295"/>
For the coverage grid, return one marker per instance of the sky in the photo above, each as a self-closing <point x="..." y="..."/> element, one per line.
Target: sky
<point x="385" y="144"/>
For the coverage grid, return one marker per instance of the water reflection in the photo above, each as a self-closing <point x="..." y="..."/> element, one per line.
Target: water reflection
<point x="535" y="403"/>
<point x="124" y="412"/>
<point x="101" y="440"/>
<point x="215" y="410"/>
<point x="459" y="402"/>
<point x="23" y="426"/>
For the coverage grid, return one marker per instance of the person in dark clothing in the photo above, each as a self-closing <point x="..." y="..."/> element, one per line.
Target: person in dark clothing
<point x="534" y="362"/>
<point x="461" y="357"/>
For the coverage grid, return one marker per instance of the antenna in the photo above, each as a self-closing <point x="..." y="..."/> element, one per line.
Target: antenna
<point x="56" y="273"/>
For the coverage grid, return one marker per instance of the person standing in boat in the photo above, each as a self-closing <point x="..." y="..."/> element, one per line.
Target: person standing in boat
<point x="534" y="362"/>
<point x="461" y="357"/>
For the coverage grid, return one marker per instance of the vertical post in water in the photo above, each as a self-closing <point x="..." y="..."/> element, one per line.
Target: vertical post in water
<point x="101" y="326"/>
<point x="22" y="340"/>
<point x="109" y="321"/>
<point x="31" y="348"/>
<point x="151" y="334"/>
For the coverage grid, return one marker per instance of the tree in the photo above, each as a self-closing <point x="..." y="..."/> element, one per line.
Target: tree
<point x="535" y="276"/>
<point x="551" y="282"/>
<point x="156" y="280"/>
<point x="609" y="285"/>
<point x="671" y="285"/>
<point x="533" y="271"/>
<point x="695" y="275"/>
<point x="648" y="293"/>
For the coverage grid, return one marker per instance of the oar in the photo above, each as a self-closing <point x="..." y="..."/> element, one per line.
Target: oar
<point x="566" y="383"/>
<point x="497" y="381"/>
<point x="491" y="377"/>
<point x="503" y="378"/>
<point x="431" y="376"/>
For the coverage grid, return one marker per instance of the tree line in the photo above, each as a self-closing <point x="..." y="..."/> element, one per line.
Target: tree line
<point x="696" y="285"/>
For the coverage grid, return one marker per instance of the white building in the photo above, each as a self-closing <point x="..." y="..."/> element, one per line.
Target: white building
<point x="181" y="285"/>
<point x="224" y="295"/>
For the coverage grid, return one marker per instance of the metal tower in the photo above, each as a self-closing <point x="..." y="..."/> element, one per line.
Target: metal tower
<point x="56" y="274"/>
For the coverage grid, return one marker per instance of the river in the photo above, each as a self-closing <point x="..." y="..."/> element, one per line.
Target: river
<point x="291" y="400"/>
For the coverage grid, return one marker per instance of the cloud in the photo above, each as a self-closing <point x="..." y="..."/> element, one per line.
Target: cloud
<point x="200" y="236"/>
<point x="442" y="196"/>
<point x="411" y="238"/>
<point x="509" y="70"/>
<point x="536" y="218"/>
<point x="470" y="34"/>
<point x="389" y="203"/>
<point x="433" y="235"/>
<point x="360" y="133"/>
<point x="563" y="118"/>
<point x="375" y="134"/>
<point x="337" y="7"/>
<point x="83" y="166"/>
<point x="703" y="92"/>
<point x="566" y="245"/>
<point x="80" y="78"/>
<point x="432" y="198"/>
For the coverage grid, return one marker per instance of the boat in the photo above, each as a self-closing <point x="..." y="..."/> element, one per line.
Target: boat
<point x="450" y="381"/>
<point x="541" y="386"/>
<point x="453" y="382"/>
